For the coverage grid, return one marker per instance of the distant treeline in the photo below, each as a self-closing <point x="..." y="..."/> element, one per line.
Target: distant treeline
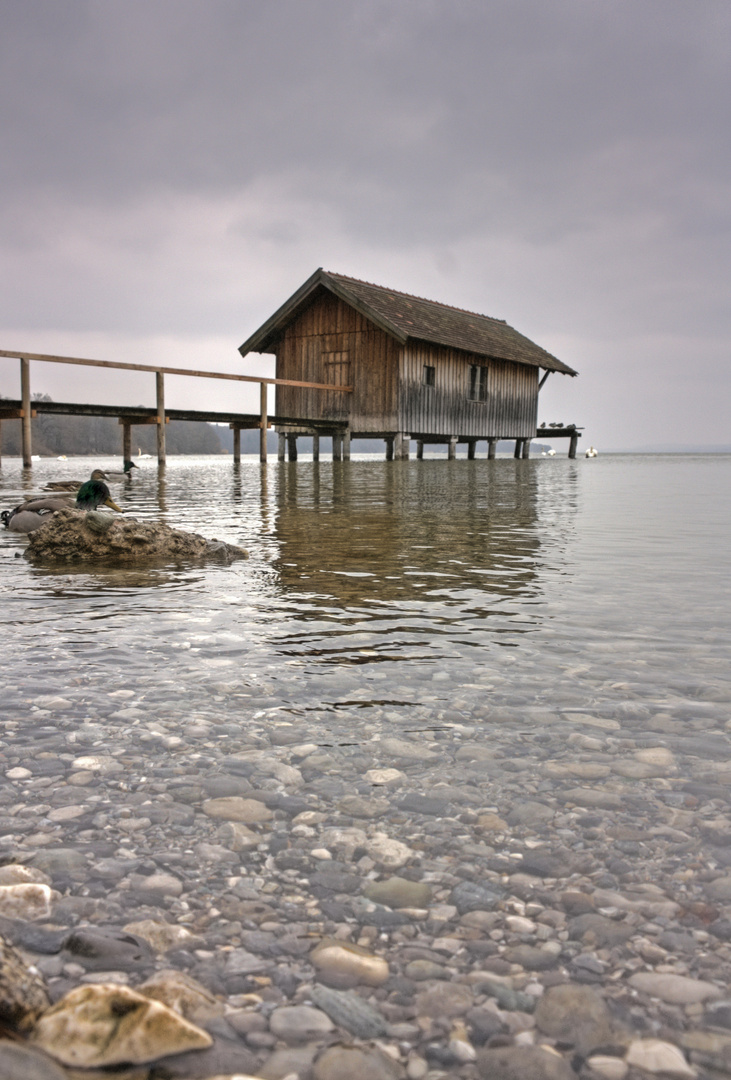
<point x="88" y="435"/>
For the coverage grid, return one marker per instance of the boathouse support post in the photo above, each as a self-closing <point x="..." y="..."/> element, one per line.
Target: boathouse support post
<point x="452" y="448"/>
<point x="346" y="446"/>
<point x="291" y="447"/>
<point x="337" y="446"/>
<point x="237" y="443"/>
<point x="25" y="406"/>
<point x="401" y="446"/>
<point x="419" y="449"/>
<point x="526" y="448"/>
<point x="281" y="446"/>
<point x="518" y="448"/>
<point x="491" y="447"/>
<point x="389" y="448"/>
<point x="471" y="450"/>
<point x="126" y="445"/>
<point x="573" y="444"/>
<point x="315" y="447"/>
<point x="160" y="393"/>
<point x="263" y="422"/>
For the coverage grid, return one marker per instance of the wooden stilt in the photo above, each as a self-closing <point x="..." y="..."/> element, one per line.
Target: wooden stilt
<point x="389" y="448"/>
<point x="281" y="446"/>
<point x="452" y="448"/>
<point x="471" y="449"/>
<point x="160" y="388"/>
<point x="337" y="446"/>
<point x="518" y="448"/>
<point x="292" y="447"/>
<point x="491" y="446"/>
<point x="419" y="449"/>
<point x="572" y="445"/>
<point x="346" y="446"/>
<point x="315" y="447"/>
<point x="1" y="442"/>
<point x="526" y="448"/>
<point x="25" y="419"/>
<point x="263" y="423"/>
<point x="126" y="446"/>
<point x="237" y="444"/>
<point x="401" y="447"/>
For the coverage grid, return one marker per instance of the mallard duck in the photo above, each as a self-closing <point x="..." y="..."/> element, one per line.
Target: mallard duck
<point x="30" y="515"/>
<point x="128" y="466"/>
<point x="74" y="485"/>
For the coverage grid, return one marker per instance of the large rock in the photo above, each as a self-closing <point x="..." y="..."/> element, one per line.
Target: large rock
<point x="103" y="1024"/>
<point x="78" y="536"/>
<point x="23" y="994"/>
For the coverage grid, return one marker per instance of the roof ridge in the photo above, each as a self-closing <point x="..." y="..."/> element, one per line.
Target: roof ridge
<point x="413" y="296"/>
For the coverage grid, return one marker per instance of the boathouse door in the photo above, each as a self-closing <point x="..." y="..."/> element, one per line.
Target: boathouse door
<point x="337" y="373"/>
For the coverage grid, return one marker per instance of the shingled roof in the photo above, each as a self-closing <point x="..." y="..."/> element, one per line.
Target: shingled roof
<point x="408" y="317"/>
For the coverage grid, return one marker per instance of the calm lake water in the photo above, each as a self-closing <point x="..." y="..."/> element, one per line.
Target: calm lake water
<point x="400" y="596"/>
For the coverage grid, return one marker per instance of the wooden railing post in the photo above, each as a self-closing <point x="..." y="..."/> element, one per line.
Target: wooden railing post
<point x="264" y="419"/>
<point x="160" y="387"/>
<point x="25" y="405"/>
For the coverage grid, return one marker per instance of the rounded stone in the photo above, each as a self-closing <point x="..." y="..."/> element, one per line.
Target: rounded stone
<point x="299" y="1023"/>
<point x="675" y="989"/>
<point x="235" y="808"/>
<point x="344" y="965"/>
<point x="355" y="1063"/>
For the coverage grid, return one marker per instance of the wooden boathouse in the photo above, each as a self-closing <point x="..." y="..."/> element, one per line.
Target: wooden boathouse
<point x="418" y="370"/>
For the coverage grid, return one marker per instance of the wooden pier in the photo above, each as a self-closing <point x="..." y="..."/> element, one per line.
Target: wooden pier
<point x="289" y="428"/>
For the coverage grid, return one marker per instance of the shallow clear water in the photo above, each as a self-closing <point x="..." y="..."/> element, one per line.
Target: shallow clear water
<point x="399" y="595"/>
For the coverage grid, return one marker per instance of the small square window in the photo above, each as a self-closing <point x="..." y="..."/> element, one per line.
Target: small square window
<point x="429" y="376"/>
<point x="478" y="383"/>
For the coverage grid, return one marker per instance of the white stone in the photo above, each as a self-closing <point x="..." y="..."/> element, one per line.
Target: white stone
<point x="655" y="755"/>
<point x="385" y="777"/>
<point x="609" y="1068"/>
<point x="67" y="813"/>
<point x="18" y="773"/>
<point x="105" y="1024"/>
<point x="25" y="901"/>
<point x="389" y="853"/>
<point x="347" y="965"/>
<point x="656" y="1056"/>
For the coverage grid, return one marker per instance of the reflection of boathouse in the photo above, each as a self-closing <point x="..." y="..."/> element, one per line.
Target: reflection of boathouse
<point x="418" y="369"/>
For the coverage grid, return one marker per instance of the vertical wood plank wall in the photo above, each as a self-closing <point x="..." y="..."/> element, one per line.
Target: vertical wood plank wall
<point x="326" y="342"/>
<point x="445" y="408"/>
<point x="331" y="341"/>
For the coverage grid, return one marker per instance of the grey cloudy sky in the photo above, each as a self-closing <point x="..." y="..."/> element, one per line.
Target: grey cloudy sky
<point x="172" y="170"/>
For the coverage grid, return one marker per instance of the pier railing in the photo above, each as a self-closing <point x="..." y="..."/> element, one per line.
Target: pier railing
<point x="128" y="416"/>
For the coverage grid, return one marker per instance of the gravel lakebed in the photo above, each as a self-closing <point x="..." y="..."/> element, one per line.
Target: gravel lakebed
<point x="517" y="895"/>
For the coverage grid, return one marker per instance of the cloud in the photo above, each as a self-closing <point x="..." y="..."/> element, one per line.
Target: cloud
<point x="172" y="171"/>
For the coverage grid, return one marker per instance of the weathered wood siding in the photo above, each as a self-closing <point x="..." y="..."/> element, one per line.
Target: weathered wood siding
<point x="331" y="342"/>
<point x="510" y="410"/>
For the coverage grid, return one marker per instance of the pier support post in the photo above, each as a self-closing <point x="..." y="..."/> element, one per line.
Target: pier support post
<point x="452" y="448"/>
<point x="573" y="444"/>
<point x="389" y="448"/>
<point x="292" y="447"/>
<point x="401" y="447"/>
<point x="518" y="448"/>
<point x="526" y="448"/>
<point x="315" y="447"/>
<point x="281" y="446"/>
<point x="237" y="443"/>
<point x="337" y="446"/>
<point x="160" y="388"/>
<point x="491" y="446"/>
<point x="263" y="423"/>
<point x="471" y="449"/>
<point x="346" y="446"/>
<point x="25" y="406"/>
<point x="126" y="445"/>
<point x="419" y="449"/>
